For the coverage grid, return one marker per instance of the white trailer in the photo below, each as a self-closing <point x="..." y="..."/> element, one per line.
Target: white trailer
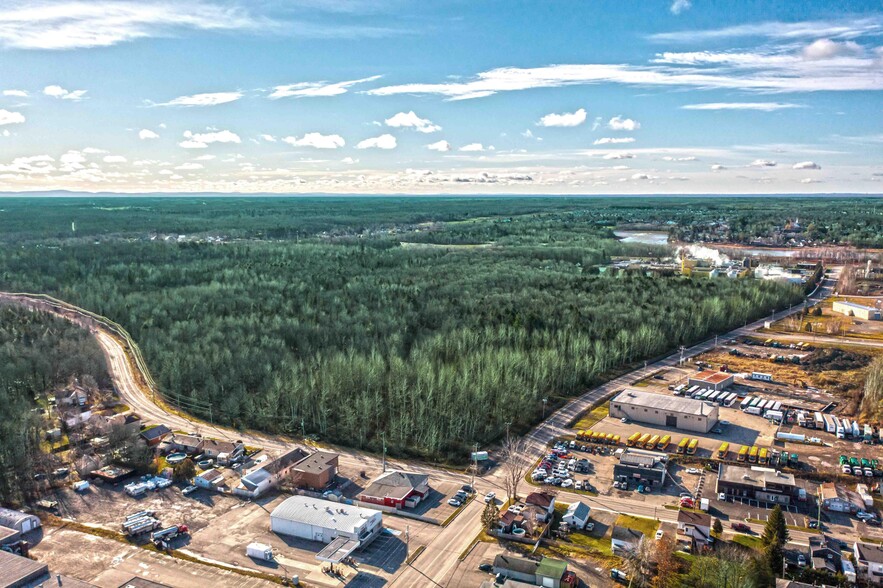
<point x="746" y="402"/>
<point x="259" y="551"/>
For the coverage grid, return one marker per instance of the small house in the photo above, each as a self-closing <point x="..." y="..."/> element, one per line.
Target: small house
<point x="825" y="554"/>
<point x="210" y="479"/>
<point x="542" y="500"/>
<point x="577" y="515"/>
<point x="154" y="435"/>
<point x="836" y="498"/>
<point x="695" y="528"/>
<point x="869" y="560"/>
<point x="189" y="444"/>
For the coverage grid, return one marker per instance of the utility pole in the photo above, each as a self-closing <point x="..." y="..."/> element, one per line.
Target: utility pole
<point x="474" y="463"/>
<point x="507" y="429"/>
<point x="303" y="428"/>
<point x="682" y="349"/>
<point x="544" y="407"/>
<point x="383" y="436"/>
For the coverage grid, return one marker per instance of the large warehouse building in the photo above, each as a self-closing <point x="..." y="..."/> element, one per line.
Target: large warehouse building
<point x="322" y="520"/>
<point x="666" y="411"/>
<point x="869" y="313"/>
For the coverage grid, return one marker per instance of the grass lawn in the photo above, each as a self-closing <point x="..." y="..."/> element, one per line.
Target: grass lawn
<point x="646" y="526"/>
<point x="600" y="545"/>
<point x="588" y="419"/>
<point x="748" y="541"/>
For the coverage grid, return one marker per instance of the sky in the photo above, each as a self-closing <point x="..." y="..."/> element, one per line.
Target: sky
<point x="442" y="97"/>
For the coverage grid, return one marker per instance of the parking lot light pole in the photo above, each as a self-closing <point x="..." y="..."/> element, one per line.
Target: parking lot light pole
<point x="545" y="400"/>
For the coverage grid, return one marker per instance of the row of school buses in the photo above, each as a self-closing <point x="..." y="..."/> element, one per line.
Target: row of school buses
<point x="688" y="446"/>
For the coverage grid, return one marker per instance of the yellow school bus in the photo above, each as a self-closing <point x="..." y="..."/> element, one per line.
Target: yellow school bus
<point x="609" y="438"/>
<point x="663" y="443"/>
<point x="743" y="453"/>
<point x="651" y="443"/>
<point x="615" y="440"/>
<point x="723" y="450"/>
<point x="752" y="454"/>
<point x="633" y="439"/>
<point x="763" y="455"/>
<point x="682" y="446"/>
<point x="691" y="448"/>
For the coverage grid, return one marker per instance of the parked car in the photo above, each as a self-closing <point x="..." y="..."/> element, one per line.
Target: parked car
<point x="616" y="484"/>
<point x="567" y="483"/>
<point x="490" y="497"/>
<point x="578" y="485"/>
<point x="454" y="502"/>
<point x="189" y="490"/>
<point x="659" y="534"/>
<point x="864" y="515"/>
<point x="486" y="567"/>
<point x="741" y="527"/>
<point x="694" y="471"/>
<point x="624" y="420"/>
<point x="801" y="560"/>
<point x="590" y="526"/>
<point x="685" y="495"/>
<point x="467" y="489"/>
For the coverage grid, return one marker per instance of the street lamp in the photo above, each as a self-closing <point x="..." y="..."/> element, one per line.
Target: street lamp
<point x="544" y="407"/>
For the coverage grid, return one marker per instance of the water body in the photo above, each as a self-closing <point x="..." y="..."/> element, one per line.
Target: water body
<point x="645" y="237"/>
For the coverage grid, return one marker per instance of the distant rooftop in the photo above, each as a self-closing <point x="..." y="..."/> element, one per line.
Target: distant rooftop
<point x="857" y="306"/>
<point x="640" y="398"/>
<point x="711" y="376"/>
<point x="755" y="476"/>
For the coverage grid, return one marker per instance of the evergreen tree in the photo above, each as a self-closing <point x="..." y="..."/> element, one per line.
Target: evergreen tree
<point x="490" y="516"/>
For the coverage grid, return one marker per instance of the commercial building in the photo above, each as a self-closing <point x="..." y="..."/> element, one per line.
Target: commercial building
<point x="757" y="483"/>
<point x="317" y="471"/>
<point x="17" y="520"/>
<point x="546" y="572"/>
<point x="665" y="411"/>
<point x="19" y="572"/>
<point x="869" y="557"/>
<point x="836" y="498"/>
<point x="868" y="313"/>
<point x="262" y="479"/>
<point x="712" y="380"/>
<point x="324" y="521"/>
<point x="397" y="489"/>
<point x="637" y="466"/>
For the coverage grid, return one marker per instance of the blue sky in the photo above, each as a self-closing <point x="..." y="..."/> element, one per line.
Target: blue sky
<point x="449" y="96"/>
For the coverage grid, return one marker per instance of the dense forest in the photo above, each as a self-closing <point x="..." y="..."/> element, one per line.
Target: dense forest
<point x="38" y="352"/>
<point x="432" y="322"/>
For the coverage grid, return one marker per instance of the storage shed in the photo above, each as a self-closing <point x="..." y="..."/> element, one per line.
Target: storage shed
<point x="20" y="521"/>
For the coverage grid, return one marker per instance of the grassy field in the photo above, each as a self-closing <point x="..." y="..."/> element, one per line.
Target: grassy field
<point x="748" y="541"/>
<point x="646" y="526"/>
<point x="592" y="417"/>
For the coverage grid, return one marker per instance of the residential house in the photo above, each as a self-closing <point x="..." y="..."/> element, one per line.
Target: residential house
<point x="694" y="528"/>
<point x="516" y="519"/>
<point x="126" y="425"/>
<point x="210" y="479"/>
<point x="77" y="415"/>
<point x="74" y="395"/>
<point x="577" y="515"/>
<point x="624" y="540"/>
<point x="154" y="435"/>
<point x="546" y="572"/>
<point x="262" y="479"/>
<point x="825" y="554"/>
<point x="544" y="501"/>
<point x="838" y="499"/>
<point x="189" y="444"/>
<point x="397" y="489"/>
<point x="317" y="471"/>
<point x="869" y="557"/>
<point x="223" y="451"/>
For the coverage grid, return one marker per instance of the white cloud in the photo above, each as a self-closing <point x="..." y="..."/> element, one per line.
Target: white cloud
<point x="840" y="29"/>
<point x="617" y="123"/>
<point x="144" y="134"/>
<point x="385" y="141"/>
<point x="56" y="91"/>
<point x="94" y="150"/>
<point x="114" y="159"/>
<point x="472" y="147"/>
<point x="613" y="140"/>
<point x="809" y="181"/>
<point x="762" y="106"/>
<point x="205" y="99"/>
<point x="828" y="49"/>
<point x="205" y="157"/>
<point x="679" y="6"/>
<point x="619" y="155"/>
<point x="189" y="166"/>
<point x="349" y="160"/>
<point x="202" y="140"/>
<point x="72" y="24"/>
<point x="565" y="119"/>
<point x="763" y="163"/>
<point x="411" y="120"/>
<point x="806" y="165"/>
<point x="268" y="138"/>
<point x="11" y="118"/>
<point x="316" y="89"/>
<point x="316" y="140"/>
<point x="16" y="93"/>
<point x="717" y="167"/>
<point x="439" y="146"/>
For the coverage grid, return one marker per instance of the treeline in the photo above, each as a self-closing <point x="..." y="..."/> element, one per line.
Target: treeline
<point x="432" y="347"/>
<point x="38" y="352"/>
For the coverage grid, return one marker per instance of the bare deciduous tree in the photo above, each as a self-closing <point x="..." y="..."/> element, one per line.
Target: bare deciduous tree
<point x="515" y="465"/>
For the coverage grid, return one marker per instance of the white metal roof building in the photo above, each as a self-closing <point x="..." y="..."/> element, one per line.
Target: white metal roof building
<point x="20" y="521"/>
<point x="869" y="313"/>
<point x="323" y="520"/>
<point x="666" y="411"/>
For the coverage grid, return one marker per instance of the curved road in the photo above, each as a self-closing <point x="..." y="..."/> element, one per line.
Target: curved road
<point x="439" y="559"/>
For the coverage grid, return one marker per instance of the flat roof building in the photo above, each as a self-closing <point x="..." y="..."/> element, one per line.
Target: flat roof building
<point x="641" y="467"/>
<point x="323" y="520"/>
<point x="316" y="471"/>
<point x="685" y="414"/>
<point x="712" y="380"/>
<point x="757" y="483"/>
<point x="869" y="313"/>
<point x="17" y="571"/>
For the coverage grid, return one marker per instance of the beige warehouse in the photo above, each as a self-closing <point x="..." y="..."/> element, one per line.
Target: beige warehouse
<point x="665" y="411"/>
<point x="869" y="313"/>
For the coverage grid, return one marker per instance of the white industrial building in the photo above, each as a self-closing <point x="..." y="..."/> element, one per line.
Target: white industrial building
<point x="325" y="521"/>
<point x="685" y="414"/>
<point x="869" y="313"/>
<point x="20" y="521"/>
